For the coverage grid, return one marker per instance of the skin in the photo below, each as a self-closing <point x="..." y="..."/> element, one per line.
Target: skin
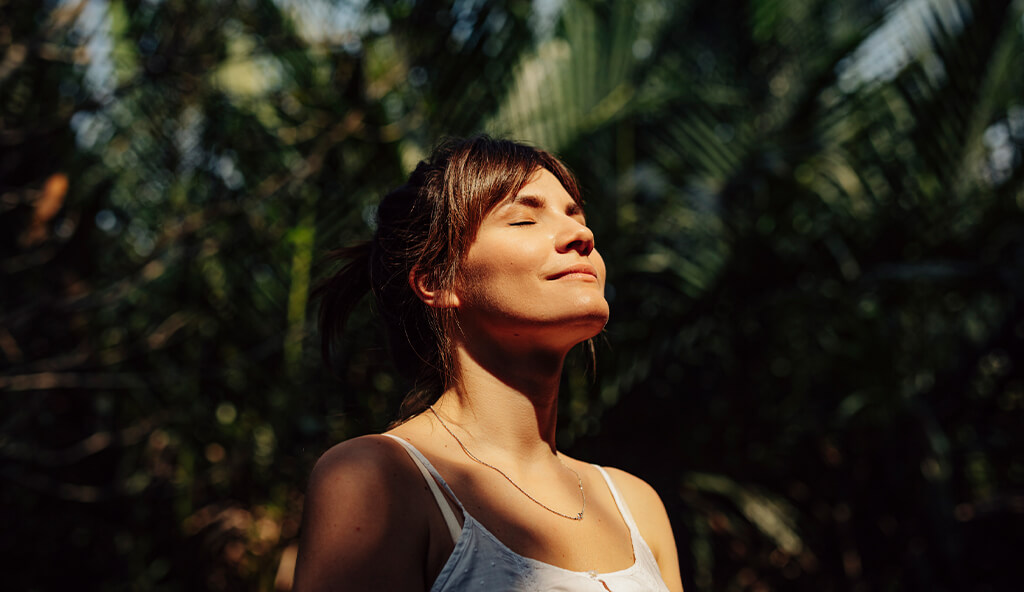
<point x="531" y="287"/>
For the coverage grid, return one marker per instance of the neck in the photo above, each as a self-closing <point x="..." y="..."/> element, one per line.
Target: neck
<point x="511" y="397"/>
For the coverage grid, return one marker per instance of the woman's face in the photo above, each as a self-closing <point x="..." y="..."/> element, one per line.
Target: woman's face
<point x="532" y="273"/>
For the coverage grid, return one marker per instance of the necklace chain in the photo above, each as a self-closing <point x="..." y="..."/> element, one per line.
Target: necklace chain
<point x="579" y="481"/>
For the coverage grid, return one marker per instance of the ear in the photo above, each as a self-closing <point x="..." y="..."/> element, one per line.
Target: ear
<point x="423" y="286"/>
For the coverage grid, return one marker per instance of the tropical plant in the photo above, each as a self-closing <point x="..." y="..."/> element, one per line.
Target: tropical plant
<point x="811" y="213"/>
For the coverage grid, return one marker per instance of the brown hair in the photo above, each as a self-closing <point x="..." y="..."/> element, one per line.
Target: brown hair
<point x="427" y="224"/>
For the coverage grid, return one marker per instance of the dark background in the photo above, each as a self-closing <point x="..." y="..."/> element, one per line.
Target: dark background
<point x="812" y="213"/>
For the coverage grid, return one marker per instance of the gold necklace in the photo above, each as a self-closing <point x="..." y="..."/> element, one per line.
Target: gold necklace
<point x="583" y="495"/>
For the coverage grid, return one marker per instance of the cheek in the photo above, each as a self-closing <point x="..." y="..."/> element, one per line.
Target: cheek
<point x="485" y="280"/>
<point x="514" y="261"/>
<point x="503" y="264"/>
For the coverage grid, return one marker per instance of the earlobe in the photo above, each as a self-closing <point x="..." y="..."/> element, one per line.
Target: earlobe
<point x="423" y="286"/>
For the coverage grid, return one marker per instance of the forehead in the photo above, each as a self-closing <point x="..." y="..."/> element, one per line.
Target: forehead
<point x="542" y="186"/>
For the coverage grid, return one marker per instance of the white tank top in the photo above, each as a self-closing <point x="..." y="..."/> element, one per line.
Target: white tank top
<point x="481" y="562"/>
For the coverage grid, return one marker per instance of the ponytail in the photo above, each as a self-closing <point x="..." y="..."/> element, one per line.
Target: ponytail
<point x="340" y="293"/>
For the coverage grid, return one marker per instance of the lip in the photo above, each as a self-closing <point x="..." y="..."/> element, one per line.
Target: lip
<point x="582" y="269"/>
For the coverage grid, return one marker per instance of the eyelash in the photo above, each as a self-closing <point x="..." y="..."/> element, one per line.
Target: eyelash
<point x="520" y="223"/>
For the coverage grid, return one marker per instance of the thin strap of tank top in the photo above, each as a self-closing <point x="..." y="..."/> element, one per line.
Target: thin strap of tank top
<point x="432" y="477"/>
<point x="623" y="508"/>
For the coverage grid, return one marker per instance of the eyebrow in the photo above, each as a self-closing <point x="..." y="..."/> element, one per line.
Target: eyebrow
<point x="538" y="202"/>
<point x="530" y="201"/>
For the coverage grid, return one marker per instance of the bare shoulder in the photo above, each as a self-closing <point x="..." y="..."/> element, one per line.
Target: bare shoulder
<point x="358" y="527"/>
<point x="652" y="520"/>
<point x="369" y="479"/>
<point x="635" y="490"/>
<point x="355" y="461"/>
<point x="643" y="502"/>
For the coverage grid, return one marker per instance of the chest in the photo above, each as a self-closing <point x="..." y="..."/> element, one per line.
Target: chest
<point x="600" y="542"/>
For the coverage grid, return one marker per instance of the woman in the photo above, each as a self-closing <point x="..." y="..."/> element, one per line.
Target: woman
<point x="486" y="275"/>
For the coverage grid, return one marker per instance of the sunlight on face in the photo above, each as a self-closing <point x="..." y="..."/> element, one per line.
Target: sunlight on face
<point x="532" y="270"/>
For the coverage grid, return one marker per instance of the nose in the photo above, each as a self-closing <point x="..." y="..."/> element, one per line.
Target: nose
<point x="576" y="237"/>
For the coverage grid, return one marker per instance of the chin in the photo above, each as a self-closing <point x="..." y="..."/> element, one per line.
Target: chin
<point x="589" y="324"/>
<point x="595" y="310"/>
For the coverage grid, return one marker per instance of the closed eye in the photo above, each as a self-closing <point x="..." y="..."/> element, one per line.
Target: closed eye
<point x="525" y="223"/>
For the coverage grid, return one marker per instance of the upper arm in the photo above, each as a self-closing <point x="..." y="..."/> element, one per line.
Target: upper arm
<point x="358" y="530"/>
<point x="651" y="518"/>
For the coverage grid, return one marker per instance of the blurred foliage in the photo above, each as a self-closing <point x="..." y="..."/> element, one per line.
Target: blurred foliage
<point x="812" y="213"/>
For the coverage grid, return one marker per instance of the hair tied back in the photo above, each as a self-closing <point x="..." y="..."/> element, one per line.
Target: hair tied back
<point x="341" y="292"/>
